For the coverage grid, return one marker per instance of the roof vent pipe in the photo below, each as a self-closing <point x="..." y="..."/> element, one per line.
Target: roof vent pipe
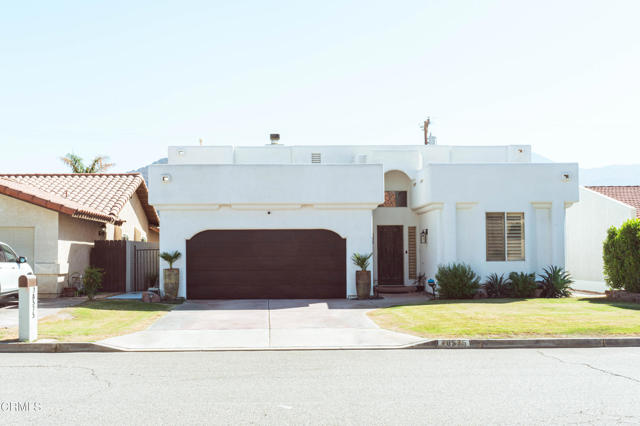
<point x="275" y="137"/>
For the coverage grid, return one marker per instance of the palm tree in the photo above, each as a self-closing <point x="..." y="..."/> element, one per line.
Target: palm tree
<point x="98" y="165"/>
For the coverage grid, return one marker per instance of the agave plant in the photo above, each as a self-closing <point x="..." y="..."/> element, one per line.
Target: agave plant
<point x="170" y="257"/>
<point x="361" y="260"/>
<point x="556" y="282"/>
<point x="497" y="286"/>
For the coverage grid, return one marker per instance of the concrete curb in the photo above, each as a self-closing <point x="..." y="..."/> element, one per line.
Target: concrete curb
<point x="426" y="344"/>
<point x="578" y="342"/>
<point x="54" y="347"/>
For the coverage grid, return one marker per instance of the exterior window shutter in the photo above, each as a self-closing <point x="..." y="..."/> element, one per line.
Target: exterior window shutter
<point x="515" y="236"/>
<point x="413" y="258"/>
<point x="495" y="237"/>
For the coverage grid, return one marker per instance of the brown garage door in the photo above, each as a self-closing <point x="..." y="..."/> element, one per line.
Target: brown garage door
<point x="258" y="264"/>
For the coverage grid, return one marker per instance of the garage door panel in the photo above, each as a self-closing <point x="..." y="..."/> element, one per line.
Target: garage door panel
<point x="266" y="264"/>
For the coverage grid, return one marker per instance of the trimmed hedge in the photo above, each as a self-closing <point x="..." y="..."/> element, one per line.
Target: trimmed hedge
<point x="457" y="281"/>
<point x="621" y="255"/>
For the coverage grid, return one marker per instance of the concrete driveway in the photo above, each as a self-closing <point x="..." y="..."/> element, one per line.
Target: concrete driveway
<point x="262" y="324"/>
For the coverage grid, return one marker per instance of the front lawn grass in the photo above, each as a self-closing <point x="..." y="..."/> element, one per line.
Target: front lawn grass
<point x="509" y="318"/>
<point x="97" y="320"/>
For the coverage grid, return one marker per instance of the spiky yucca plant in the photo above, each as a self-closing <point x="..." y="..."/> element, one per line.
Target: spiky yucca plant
<point x="497" y="286"/>
<point x="556" y="282"/>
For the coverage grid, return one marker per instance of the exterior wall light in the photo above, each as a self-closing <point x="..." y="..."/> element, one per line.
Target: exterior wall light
<point x="566" y="177"/>
<point x="181" y="153"/>
<point x="423" y="236"/>
<point x="166" y="178"/>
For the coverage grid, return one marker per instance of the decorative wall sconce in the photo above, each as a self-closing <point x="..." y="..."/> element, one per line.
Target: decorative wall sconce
<point x="103" y="230"/>
<point x="423" y="236"/>
<point x="166" y="178"/>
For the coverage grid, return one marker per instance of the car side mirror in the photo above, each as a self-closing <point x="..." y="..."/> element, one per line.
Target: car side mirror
<point x="22" y="259"/>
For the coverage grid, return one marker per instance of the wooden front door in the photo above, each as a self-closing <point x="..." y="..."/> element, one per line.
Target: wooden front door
<point x="390" y="255"/>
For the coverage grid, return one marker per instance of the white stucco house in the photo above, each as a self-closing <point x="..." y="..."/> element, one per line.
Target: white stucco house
<point x="283" y="221"/>
<point x="600" y="207"/>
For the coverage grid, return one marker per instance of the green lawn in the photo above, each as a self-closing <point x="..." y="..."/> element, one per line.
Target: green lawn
<point x="513" y="318"/>
<point x="97" y="320"/>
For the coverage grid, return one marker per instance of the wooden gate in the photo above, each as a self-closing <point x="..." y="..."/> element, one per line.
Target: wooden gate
<point x="111" y="257"/>
<point x="145" y="268"/>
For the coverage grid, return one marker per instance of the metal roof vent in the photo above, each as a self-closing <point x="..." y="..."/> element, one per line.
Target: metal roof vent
<point x="316" y="158"/>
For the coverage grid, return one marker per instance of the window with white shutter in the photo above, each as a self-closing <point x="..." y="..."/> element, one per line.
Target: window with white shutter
<point x="515" y="236"/>
<point x="495" y="237"/>
<point x="505" y="236"/>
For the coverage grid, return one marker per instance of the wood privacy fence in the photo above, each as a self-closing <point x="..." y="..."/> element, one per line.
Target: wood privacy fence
<point x="127" y="265"/>
<point x="111" y="256"/>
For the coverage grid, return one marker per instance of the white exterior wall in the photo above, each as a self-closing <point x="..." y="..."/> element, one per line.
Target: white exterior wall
<point x="180" y="225"/>
<point x="586" y="230"/>
<point x="465" y="192"/>
<point x="449" y="191"/>
<point x="339" y="198"/>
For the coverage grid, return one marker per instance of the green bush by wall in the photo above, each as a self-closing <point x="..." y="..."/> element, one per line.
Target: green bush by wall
<point x="621" y="255"/>
<point x="457" y="281"/>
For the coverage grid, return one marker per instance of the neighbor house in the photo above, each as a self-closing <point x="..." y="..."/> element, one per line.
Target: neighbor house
<point x="283" y="221"/>
<point x="600" y="207"/>
<point x="54" y="219"/>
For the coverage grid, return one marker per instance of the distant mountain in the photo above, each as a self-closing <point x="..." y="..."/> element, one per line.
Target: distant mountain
<point x="611" y="175"/>
<point x="144" y="171"/>
<point x="616" y="175"/>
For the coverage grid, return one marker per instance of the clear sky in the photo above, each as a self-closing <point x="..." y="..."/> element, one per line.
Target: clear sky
<point x="128" y="78"/>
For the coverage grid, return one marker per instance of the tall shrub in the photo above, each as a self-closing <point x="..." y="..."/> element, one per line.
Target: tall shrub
<point x="457" y="281"/>
<point x="621" y="255"/>
<point x="522" y="284"/>
<point x="92" y="281"/>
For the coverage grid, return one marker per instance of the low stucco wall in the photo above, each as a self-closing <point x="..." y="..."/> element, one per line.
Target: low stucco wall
<point x="587" y="224"/>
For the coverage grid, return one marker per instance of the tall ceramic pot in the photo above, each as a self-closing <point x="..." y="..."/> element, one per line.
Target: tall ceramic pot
<point x="363" y="284"/>
<point x="171" y="283"/>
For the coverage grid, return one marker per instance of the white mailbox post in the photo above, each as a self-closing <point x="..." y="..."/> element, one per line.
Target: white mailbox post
<point x="28" y="307"/>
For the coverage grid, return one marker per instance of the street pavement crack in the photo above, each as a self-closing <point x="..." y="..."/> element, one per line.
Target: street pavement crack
<point x="92" y="372"/>
<point x="584" y="364"/>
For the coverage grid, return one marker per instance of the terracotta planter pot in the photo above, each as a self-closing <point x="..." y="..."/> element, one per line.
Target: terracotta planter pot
<point x="363" y="284"/>
<point x="171" y="283"/>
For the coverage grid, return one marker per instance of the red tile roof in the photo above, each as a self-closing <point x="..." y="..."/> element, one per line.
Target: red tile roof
<point x="99" y="196"/>
<point x="629" y="195"/>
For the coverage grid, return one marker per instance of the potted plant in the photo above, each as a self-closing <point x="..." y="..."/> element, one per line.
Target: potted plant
<point x="420" y="283"/>
<point x="171" y="275"/>
<point x="363" y="277"/>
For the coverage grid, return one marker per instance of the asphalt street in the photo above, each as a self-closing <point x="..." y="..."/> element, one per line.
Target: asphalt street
<point x="523" y="386"/>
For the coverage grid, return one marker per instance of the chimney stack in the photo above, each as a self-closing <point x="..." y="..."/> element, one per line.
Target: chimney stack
<point x="275" y="137"/>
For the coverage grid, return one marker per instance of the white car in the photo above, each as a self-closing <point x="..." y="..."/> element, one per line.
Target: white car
<point x="12" y="267"/>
